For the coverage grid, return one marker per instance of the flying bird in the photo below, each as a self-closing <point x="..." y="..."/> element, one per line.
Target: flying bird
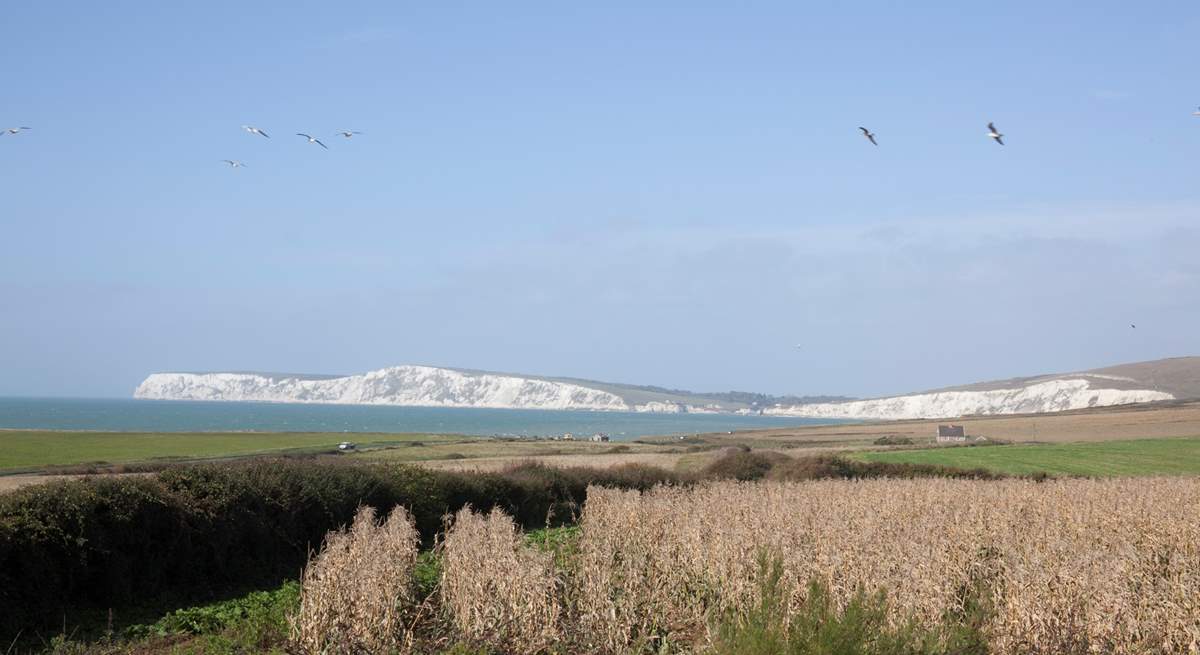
<point x="1197" y="112"/>
<point x="313" y="139"/>
<point x="233" y="163"/>
<point x="1133" y="326"/>
<point x="995" y="134"/>
<point x="348" y="134"/>
<point x="254" y="130"/>
<point x="867" y="133"/>
<point x="14" y="130"/>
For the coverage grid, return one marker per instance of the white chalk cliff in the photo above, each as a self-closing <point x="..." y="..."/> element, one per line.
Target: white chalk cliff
<point x="430" y="386"/>
<point x="1050" y="396"/>
<point x="401" y="385"/>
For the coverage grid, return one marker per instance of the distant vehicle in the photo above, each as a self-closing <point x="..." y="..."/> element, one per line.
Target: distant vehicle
<point x="347" y="446"/>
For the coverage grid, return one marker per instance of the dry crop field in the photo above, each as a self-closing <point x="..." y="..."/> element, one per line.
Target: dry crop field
<point x="1069" y="566"/>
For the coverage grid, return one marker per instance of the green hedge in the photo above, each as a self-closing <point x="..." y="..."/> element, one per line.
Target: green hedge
<point x="72" y="548"/>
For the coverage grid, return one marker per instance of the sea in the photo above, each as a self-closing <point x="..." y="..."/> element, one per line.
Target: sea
<point x="128" y="415"/>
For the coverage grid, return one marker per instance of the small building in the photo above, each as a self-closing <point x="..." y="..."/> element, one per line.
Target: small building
<point x="347" y="446"/>
<point x="599" y="436"/>
<point x="951" y="433"/>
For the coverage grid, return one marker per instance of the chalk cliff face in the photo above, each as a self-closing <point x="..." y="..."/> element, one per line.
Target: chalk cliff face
<point x="442" y="387"/>
<point x="1049" y="396"/>
<point x="401" y="385"/>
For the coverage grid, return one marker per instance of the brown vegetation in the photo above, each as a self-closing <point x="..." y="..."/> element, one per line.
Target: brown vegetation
<point x="967" y="566"/>
<point x="496" y="592"/>
<point x="1065" y="567"/>
<point x="356" y="592"/>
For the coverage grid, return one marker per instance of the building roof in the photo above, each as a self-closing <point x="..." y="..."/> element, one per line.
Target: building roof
<point x="951" y="431"/>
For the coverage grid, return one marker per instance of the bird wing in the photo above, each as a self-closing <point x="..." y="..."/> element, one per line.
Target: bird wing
<point x="262" y="133"/>
<point x="1000" y="140"/>
<point x="865" y="131"/>
<point x="871" y="137"/>
<point x="991" y="127"/>
<point x="318" y="142"/>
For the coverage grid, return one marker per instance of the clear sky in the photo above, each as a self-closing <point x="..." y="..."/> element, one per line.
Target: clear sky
<point x="669" y="193"/>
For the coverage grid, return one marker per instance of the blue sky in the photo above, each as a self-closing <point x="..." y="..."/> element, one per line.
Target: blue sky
<point x="659" y="193"/>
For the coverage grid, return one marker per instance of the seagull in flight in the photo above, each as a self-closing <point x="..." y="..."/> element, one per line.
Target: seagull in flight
<point x="348" y="134"/>
<point x="313" y="139"/>
<point x="867" y="133"/>
<point x="14" y="130"/>
<point x="995" y="134"/>
<point x="233" y="163"/>
<point x="254" y="130"/>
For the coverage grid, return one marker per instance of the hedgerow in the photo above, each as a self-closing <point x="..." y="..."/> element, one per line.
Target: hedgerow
<point x="72" y="550"/>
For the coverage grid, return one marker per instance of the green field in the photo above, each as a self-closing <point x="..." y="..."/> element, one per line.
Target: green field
<point x="1178" y="456"/>
<point x="32" y="450"/>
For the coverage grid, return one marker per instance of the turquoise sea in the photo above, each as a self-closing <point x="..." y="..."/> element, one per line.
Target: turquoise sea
<point x="186" y="416"/>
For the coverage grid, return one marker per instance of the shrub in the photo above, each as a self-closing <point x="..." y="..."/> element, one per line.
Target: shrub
<point x="893" y="440"/>
<point x="743" y="466"/>
<point x="831" y="466"/>
<point x="748" y="466"/>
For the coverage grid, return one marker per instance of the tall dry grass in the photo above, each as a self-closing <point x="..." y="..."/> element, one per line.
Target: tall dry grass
<point x="356" y="592"/>
<point x="1065" y="567"/>
<point x="498" y="593"/>
<point x="1061" y="567"/>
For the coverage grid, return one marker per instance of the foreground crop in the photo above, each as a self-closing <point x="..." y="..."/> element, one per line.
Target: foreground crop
<point x="1061" y="567"/>
<point x="903" y="566"/>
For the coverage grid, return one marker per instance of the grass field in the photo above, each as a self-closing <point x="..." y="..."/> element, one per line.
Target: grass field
<point x="1180" y="456"/>
<point x="1121" y="441"/>
<point x="31" y="450"/>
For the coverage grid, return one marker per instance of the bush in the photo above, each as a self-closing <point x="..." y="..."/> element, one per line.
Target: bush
<point x="747" y="466"/>
<point x="743" y="466"/>
<point x="831" y="466"/>
<point x="893" y="440"/>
